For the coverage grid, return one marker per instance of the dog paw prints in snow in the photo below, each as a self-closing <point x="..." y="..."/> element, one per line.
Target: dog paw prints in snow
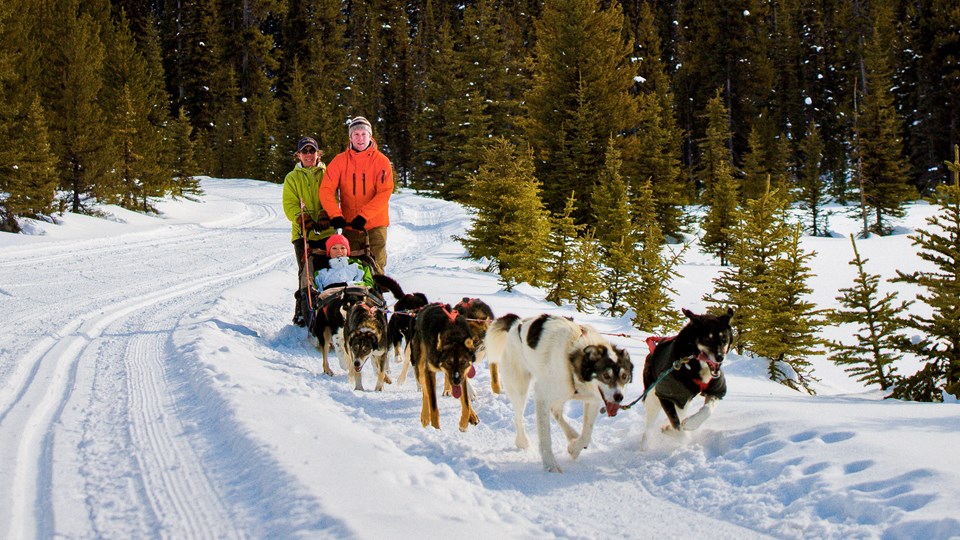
<point x="762" y="476"/>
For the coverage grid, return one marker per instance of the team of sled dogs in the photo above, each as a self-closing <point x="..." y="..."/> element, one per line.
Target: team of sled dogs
<point x="562" y="361"/>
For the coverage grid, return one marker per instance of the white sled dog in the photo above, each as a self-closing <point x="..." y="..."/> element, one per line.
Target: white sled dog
<point x="564" y="361"/>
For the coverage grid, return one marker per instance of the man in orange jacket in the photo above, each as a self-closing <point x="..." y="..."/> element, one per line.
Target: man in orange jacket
<point x="356" y="191"/>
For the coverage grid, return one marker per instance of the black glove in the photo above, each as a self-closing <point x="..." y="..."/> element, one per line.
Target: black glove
<point x="338" y="222"/>
<point x="358" y="223"/>
<point x="322" y="224"/>
<point x="307" y="222"/>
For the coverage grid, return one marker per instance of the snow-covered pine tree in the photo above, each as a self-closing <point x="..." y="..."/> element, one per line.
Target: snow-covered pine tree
<point x="511" y="226"/>
<point x="940" y="345"/>
<point x="871" y="358"/>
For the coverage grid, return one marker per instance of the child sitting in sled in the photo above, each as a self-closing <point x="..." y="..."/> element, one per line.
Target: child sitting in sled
<point x="341" y="270"/>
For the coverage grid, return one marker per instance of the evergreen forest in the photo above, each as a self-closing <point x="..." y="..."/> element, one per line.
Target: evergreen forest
<point x="608" y="119"/>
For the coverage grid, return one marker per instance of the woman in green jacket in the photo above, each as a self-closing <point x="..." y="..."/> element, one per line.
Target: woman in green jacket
<point x="302" y="207"/>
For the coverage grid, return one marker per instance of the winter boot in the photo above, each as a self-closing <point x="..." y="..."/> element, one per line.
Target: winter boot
<point x="298" y="311"/>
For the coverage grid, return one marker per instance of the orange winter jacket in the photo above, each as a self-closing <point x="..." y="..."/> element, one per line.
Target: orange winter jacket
<point x="364" y="182"/>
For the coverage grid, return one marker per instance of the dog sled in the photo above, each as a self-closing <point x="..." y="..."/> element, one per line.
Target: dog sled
<point x="317" y="299"/>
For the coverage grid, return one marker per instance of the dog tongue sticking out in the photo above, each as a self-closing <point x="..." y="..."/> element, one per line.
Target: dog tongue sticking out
<point x="456" y="390"/>
<point x="612" y="407"/>
<point x="472" y="372"/>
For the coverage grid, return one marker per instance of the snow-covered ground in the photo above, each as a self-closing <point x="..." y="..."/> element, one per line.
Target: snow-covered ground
<point x="151" y="385"/>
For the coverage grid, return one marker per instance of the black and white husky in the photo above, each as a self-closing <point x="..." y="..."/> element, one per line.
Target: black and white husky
<point x="699" y="347"/>
<point x="564" y="361"/>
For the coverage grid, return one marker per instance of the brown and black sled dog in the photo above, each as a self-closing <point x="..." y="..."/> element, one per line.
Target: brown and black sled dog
<point x="443" y="343"/>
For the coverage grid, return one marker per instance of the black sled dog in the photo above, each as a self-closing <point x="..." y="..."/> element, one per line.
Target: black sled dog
<point x="400" y="328"/>
<point x="698" y="350"/>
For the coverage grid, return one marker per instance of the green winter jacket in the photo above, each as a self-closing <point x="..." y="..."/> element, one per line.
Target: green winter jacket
<point x="303" y="184"/>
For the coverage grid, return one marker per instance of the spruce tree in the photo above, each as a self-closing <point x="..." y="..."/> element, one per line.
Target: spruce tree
<point x="716" y="159"/>
<point x="810" y="185"/>
<point x="511" y="227"/>
<point x="717" y="176"/>
<point x="939" y="345"/>
<point x="29" y="175"/>
<point x="611" y="205"/>
<point x="494" y="59"/>
<point x="756" y="173"/>
<point x="78" y="120"/>
<point x="734" y="288"/>
<point x="722" y="198"/>
<point x="586" y="266"/>
<point x="658" y="138"/>
<point x="182" y="163"/>
<point x="312" y="77"/>
<point x="260" y="149"/>
<point x="651" y="298"/>
<point x="872" y="357"/>
<point x="225" y="140"/>
<point x="758" y="236"/>
<point x="573" y="265"/>
<point x="564" y="232"/>
<point x="300" y="117"/>
<point x="193" y="46"/>
<point x="785" y="323"/>
<point x="129" y="97"/>
<point x="615" y="230"/>
<point x="436" y="122"/>
<point x="580" y="67"/>
<point x="880" y="145"/>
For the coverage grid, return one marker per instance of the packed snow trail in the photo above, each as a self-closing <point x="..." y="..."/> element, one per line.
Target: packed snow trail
<point x="90" y="405"/>
<point x="151" y="385"/>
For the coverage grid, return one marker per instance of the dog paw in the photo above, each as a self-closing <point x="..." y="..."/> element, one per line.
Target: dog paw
<point x="666" y="428"/>
<point x="328" y="372"/>
<point x="387" y="379"/>
<point x="575" y="447"/>
<point x="552" y="467"/>
<point x="523" y="442"/>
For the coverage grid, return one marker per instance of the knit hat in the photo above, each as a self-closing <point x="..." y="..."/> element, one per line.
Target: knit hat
<point x="359" y="122"/>
<point x="335" y="239"/>
<point x="305" y="142"/>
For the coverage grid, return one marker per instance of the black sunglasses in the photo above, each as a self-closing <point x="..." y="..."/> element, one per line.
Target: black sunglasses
<point x="308" y="150"/>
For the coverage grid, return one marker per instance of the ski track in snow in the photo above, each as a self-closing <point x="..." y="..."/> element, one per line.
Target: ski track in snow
<point x="174" y="399"/>
<point x="130" y="448"/>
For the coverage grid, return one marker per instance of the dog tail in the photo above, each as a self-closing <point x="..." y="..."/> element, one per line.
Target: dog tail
<point x="390" y="284"/>
<point x="496" y="339"/>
